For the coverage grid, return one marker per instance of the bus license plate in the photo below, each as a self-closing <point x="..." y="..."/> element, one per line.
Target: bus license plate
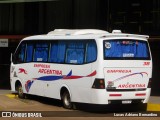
<point x="126" y="101"/>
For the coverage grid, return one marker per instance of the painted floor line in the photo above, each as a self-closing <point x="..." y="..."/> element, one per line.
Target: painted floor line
<point x="11" y="95"/>
<point x="153" y="107"/>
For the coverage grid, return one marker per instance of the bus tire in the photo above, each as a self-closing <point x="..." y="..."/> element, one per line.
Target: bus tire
<point x="20" y="91"/>
<point x="66" y="99"/>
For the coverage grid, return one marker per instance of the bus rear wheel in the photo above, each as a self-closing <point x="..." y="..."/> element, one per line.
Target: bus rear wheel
<point x="66" y="99"/>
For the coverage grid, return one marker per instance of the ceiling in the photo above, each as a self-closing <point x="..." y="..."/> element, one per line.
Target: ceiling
<point x="16" y="1"/>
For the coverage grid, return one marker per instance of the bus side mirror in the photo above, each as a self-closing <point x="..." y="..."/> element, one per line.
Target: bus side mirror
<point x="12" y="58"/>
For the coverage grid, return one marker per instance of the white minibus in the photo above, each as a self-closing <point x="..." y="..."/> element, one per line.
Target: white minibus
<point x="83" y="66"/>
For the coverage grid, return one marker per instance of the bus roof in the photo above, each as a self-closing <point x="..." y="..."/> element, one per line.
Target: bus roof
<point x="84" y="34"/>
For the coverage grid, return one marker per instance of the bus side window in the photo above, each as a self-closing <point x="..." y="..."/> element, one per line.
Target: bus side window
<point x="29" y="52"/>
<point x="57" y="52"/>
<point x="20" y="55"/>
<point x="75" y="56"/>
<point x="75" y="52"/>
<point x="91" y="52"/>
<point x="41" y="52"/>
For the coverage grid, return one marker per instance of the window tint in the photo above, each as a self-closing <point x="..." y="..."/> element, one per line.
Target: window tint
<point x="29" y="52"/>
<point x="126" y="49"/>
<point x="75" y="52"/>
<point x="41" y="52"/>
<point x="91" y="53"/>
<point x="57" y="52"/>
<point x="20" y="54"/>
<point x="64" y="51"/>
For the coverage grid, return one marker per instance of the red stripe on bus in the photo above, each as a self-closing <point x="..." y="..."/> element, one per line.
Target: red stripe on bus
<point x="115" y="95"/>
<point x="140" y="94"/>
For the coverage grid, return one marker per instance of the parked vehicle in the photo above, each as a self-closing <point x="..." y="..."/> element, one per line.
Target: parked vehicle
<point x="84" y="66"/>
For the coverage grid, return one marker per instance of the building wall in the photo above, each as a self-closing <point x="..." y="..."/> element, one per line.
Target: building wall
<point x="138" y="16"/>
<point x="41" y="17"/>
<point x="155" y="84"/>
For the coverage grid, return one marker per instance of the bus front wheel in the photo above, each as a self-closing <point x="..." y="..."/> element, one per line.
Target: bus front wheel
<point x="20" y="91"/>
<point x="66" y="99"/>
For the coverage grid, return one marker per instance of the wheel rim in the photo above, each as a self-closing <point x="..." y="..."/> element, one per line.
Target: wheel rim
<point x="20" y="91"/>
<point x="67" y="100"/>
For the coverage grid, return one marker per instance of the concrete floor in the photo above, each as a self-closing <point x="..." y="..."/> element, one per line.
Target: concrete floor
<point x="154" y="99"/>
<point x="10" y="102"/>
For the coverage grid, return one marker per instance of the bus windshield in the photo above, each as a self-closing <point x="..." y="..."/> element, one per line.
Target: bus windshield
<point x="126" y="49"/>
